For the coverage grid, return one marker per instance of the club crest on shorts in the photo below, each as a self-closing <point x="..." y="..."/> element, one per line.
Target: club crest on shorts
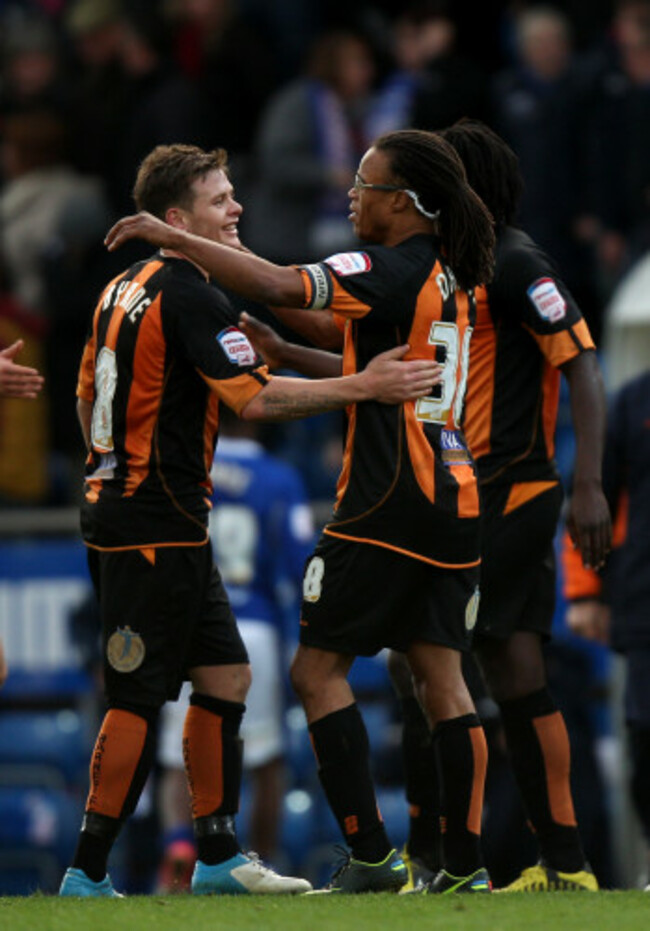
<point x="125" y="650"/>
<point x="471" y="611"/>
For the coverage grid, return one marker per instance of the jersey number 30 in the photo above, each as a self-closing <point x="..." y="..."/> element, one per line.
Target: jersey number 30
<point x="452" y="397"/>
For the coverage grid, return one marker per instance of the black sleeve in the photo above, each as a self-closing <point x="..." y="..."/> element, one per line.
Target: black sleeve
<point x="528" y="290"/>
<point x="202" y="326"/>
<point x="370" y="281"/>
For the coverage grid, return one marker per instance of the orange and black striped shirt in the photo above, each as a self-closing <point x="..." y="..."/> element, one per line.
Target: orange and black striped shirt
<point x="408" y="481"/>
<point x="163" y="352"/>
<point x="527" y="326"/>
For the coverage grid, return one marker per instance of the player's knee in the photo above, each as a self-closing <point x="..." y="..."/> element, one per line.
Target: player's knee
<point x="513" y="669"/>
<point x="300" y="680"/>
<point x="400" y="674"/>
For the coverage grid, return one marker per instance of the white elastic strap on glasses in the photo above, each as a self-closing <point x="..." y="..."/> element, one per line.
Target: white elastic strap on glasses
<point x="418" y="206"/>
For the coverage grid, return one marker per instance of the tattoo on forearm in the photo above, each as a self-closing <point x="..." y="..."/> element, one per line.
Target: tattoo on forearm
<point x="300" y="404"/>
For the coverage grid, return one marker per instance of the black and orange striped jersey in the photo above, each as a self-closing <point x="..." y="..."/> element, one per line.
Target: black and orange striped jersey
<point x="408" y="481"/>
<point x="163" y="351"/>
<point x="527" y="325"/>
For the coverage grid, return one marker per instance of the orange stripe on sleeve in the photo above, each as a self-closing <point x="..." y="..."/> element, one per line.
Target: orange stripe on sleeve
<point x="345" y="304"/>
<point x="238" y="391"/>
<point x="561" y="347"/>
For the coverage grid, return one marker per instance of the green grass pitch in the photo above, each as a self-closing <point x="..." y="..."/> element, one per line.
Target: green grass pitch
<point x="618" y="911"/>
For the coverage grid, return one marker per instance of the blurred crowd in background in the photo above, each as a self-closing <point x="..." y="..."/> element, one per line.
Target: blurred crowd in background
<point x="296" y="90"/>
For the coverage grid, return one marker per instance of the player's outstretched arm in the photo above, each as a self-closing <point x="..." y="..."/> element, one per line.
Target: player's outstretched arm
<point x="385" y="379"/>
<point x="18" y="381"/>
<point x="317" y="326"/>
<point x="279" y="353"/>
<point x="241" y="271"/>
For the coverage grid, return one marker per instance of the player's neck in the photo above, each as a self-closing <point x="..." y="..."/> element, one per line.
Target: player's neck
<point x="173" y="254"/>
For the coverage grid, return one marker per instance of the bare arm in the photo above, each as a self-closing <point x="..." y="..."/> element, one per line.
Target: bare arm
<point x="84" y="414"/>
<point x="589" y="522"/>
<point x="316" y="325"/>
<point x="279" y="353"/>
<point x="18" y="381"/>
<point x="384" y="379"/>
<point x="239" y="270"/>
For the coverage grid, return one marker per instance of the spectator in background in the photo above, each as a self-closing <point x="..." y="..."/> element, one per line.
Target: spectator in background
<point x="616" y="219"/>
<point x="50" y="219"/>
<point x="430" y="85"/>
<point x="262" y="533"/>
<point x="310" y="140"/>
<point x="162" y="106"/>
<point x="537" y="110"/>
<point x="233" y="68"/>
<point x="32" y="70"/>
<point x="613" y="607"/>
<point x="452" y="86"/>
<point x="99" y="87"/>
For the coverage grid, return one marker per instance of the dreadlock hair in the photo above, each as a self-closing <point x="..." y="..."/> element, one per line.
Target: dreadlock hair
<point x="427" y="165"/>
<point x="492" y="168"/>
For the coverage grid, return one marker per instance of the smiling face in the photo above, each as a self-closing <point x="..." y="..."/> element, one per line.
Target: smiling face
<point x="371" y="209"/>
<point x="214" y="212"/>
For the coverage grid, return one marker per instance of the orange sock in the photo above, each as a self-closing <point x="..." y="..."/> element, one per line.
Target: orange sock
<point x="115" y="762"/>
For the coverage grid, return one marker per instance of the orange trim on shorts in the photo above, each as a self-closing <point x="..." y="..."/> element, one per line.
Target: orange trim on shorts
<point x="149" y="554"/>
<point x="115" y="759"/>
<point x="203" y="756"/>
<point x="140" y="546"/>
<point x="397" y="549"/>
<point x="554" y="744"/>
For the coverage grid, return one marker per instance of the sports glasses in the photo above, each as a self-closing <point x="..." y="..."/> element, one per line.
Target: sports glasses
<point x="360" y="185"/>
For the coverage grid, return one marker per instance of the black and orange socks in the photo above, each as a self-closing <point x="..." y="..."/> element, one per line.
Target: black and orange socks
<point x="212" y="751"/>
<point x="461" y="753"/>
<point x="422" y="786"/>
<point x="122" y="757"/>
<point x="340" y="743"/>
<point x="538" y="744"/>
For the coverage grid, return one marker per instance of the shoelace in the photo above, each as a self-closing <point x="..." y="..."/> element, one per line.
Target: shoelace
<point x="257" y="862"/>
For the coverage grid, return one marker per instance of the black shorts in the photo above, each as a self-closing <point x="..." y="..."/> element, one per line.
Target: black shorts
<point x="359" y="598"/>
<point x="517" y="564"/>
<point x="161" y="620"/>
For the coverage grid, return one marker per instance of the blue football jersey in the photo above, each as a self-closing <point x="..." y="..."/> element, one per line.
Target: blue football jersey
<point x="262" y="532"/>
